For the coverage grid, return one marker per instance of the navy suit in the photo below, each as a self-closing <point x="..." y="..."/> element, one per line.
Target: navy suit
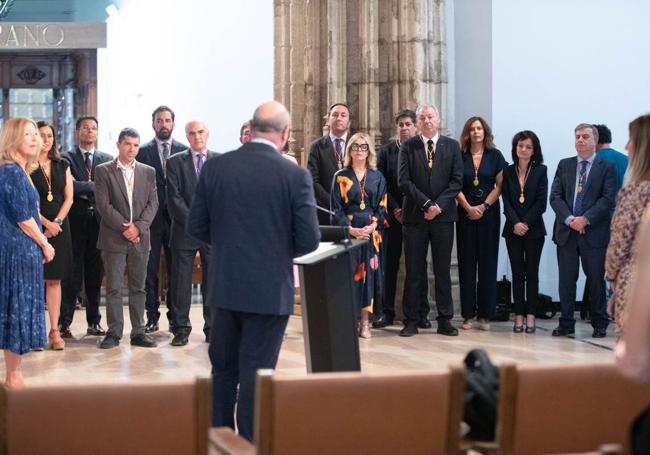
<point x="590" y="248"/>
<point x="149" y="154"/>
<point x="257" y="211"/>
<point x="84" y="230"/>
<point x="181" y="185"/>
<point x="322" y="166"/>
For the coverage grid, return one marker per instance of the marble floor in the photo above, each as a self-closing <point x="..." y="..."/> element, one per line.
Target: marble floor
<point x="83" y="362"/>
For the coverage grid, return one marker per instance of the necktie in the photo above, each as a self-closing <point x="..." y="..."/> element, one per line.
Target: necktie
<point x="339" y="152"/>
<point x="430" y="152"/>
<point x="199" y="164"/>
<point x="88" y="164"/>
<point x="582" y="180"/>
<point x="165" y="151"/>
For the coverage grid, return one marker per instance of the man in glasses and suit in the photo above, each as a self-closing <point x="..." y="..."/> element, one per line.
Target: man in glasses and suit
<point x="84" y="230"/>
<point x="183" y="171"/>
<point x="155" y="153"/>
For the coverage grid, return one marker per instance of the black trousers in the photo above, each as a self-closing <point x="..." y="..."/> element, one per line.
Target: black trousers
<point x="417" y="238"/>
<point x="181" y="289"/>
<point x="574" y="252"/>
<point x="477" y="246"/>
<point x="525" y="254"/>
<point x="241" y="343"/>
<point x="159" y="237"/>
<point x="87" y="269"/>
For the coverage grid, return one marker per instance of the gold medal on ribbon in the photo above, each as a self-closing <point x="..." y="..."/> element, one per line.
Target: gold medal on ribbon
<point x="362" y="206"/>
<point x="475" y="182"/>
<point x="522" y="199"/>
<point x="49" y="198"/>
<point x="430" y="163"/>
<point x="579" y="188"/>
<point x="340" y="165"/>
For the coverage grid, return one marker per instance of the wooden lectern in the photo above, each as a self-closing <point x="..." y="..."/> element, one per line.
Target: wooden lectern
<point x="329" y="318"/>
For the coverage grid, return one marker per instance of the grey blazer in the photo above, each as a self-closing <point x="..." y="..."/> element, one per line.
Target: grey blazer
<point x="113" y="205"/>
<point x="181" y="184"/>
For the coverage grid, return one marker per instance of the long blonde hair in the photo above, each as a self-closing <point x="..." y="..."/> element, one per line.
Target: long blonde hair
<point x="371" y="160"/>
<point x="640" y="157"/>
<point x="12" y="135"/>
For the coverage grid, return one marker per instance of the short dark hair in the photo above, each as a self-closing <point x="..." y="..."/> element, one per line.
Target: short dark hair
<point x="604" y="134"/>
<point x="85" y="117"/>
<point x="130" y="132"/>
<point x="53" y="153"/>
<point x="405" y="113"/>
<point x="537" y="157"/>
<point x="162" y="108"/>
<point x="329" y="111"/>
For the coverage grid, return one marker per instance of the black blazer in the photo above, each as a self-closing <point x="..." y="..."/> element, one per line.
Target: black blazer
<point x="387" y="164"/>
<point x="600" y="192"/>
<point x="534" y="206"/>
<point x="83" y="187"/>
<point x="440" y="184"/>
<point x="322" y="166"/>
<point x="181" y="184"/>
<point x="257" y="211"/>
<point x="148" y="154"/>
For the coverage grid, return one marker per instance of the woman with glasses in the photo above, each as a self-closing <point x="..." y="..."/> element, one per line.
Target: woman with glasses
<point x="358" y="200"/>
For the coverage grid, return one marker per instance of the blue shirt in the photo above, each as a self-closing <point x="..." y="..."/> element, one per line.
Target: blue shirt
<point x="619" y="160"/>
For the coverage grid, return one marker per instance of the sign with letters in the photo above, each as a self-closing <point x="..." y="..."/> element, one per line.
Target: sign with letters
<point x="52" y="35"/>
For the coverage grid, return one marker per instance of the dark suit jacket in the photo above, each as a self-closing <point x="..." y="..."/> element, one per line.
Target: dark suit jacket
<point x="440" y="184"/>
<point x="113" y="205"/>
<point x="149" y="155"/>
<point x="534" y="206"/>
<point x="181" y="184"/>
<point x="322" y="166"/>
<point x="257" y="211"/>
<point x="597" y="203"/>
<point x="83" y="188"/>
<point x="387" y="164"/>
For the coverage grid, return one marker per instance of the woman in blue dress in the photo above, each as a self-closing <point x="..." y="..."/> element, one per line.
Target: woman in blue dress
<point x="358" y="200"/>
<point x="23" y="248"/>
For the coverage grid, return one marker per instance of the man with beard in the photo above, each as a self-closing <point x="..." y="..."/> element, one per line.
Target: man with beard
<point x="155" y="153"/>
<point x="326" y="156"/>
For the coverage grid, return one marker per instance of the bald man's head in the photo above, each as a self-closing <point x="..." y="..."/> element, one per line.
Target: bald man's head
<point x="271" y="121"/>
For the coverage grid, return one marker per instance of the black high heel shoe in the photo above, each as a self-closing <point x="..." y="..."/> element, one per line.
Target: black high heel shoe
<point x="531" y="329"/>
<point x="518" y="328"/>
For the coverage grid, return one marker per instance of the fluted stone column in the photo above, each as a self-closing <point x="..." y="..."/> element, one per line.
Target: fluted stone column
<point x="378" y="56"/>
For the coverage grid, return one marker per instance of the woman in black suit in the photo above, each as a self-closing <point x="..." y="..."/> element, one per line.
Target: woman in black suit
<point x="525" y="192"/>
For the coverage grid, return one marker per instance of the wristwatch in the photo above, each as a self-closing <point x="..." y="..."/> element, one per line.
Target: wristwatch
<point x="486" y="205"/>
<point x="58" y="221"/>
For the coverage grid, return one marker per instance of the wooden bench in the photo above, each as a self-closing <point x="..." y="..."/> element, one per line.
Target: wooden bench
<point x="337" y="413"/>
<point x="108" y="419"/>
<point x="566" y="409"/>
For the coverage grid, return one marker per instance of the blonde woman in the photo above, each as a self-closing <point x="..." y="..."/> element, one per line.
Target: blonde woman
<point x="23" y="249"/>
<point x="358" y="200"/>
<point x="53" y="181"/>
<point x="631" y="204"/>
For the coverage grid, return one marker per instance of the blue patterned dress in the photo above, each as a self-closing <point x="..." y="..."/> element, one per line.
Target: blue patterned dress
<point x="22" y="299"/>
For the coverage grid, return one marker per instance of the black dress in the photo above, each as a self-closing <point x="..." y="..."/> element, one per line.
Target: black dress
<point x="59" y="267"/>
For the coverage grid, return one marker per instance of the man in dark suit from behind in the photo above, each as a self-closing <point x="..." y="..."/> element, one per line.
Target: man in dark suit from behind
<point x="326" y="156"/>
<point x="257" y="211"/>
<point x="84" y="230"/>
<point x="582" y="197"/>
<point x="430" y="177"/>
<point x="127" y="200"/>
<point x="155" y="153"/>
<point x="387" y="165"/>
<point x="183" y="171"/>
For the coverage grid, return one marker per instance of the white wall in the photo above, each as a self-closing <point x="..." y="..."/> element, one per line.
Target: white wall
<point x="555" y="64"/>
<point x="206" y="59"/>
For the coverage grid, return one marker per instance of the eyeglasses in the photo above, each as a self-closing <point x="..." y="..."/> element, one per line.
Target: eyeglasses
<point x="88" y="128"/>
<point x="357" y="147"/>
